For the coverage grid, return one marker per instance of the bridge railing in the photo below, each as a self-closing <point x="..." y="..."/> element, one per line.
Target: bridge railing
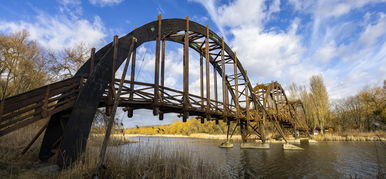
<point x="26" y="108"/>
<point x="142" y="96"/>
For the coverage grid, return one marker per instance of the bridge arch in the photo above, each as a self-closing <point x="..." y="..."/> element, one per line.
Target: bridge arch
<point x="77" y="120"/>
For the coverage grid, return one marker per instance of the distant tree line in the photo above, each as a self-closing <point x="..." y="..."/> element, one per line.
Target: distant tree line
<point x="364" y="111"/>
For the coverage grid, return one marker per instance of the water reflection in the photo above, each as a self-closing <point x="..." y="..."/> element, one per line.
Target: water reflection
<point x="321" y="160"/>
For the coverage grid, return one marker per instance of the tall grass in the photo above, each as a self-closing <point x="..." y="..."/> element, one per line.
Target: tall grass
<point x="128" y="161"/>
<point x="352" y="136"/>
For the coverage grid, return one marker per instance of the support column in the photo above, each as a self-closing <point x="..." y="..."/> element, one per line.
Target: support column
<point x="224" y="86"/>
<point x="157" y="66"/>
<point x="215" y="87"/>
<point x="92" y="59"/>
<point x="111" y="90"/>
<point x="247" y="105"/>
<point x="207" y="73"/>
<point x="161" y="114"/>
<point x="202" y="86"/>
<point x="185" y="114"/>
<point x="236" y="80"/>
<point x="114" y="109"/>
<point x="132" y="79"/>
<point x="202" y="82"/>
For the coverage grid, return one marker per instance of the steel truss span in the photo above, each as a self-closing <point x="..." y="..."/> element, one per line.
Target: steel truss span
<point x="71" y="104"/>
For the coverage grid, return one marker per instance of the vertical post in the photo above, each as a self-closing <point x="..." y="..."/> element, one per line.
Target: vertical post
<point x="207" y="72"/>
<point x="224" y="86"/>
<point x="161" y="114"/>
<point x="236" y="85"/>
<point x="202" y="82"/>
<point x="111" y="91"/>
<point x="114" y="109"/>
<point x="215" y="87"/>
<point x="247" y="105"/>
<point x="92" y="58"/>
<point x="132" y="79"/>
<point x="163" y="68"/>
<point x="202" y="85"/>
<point x="115" y="56"/>
<point x="186" y="72"/>
<point x="156" y="70"/>
<point x="45" y="102"/>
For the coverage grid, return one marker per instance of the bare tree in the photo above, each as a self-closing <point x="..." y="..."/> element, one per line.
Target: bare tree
<point x="21" y="64"/>
<point x="64" y="64"/>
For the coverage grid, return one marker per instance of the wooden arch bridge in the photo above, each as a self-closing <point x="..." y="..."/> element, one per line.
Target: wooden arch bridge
<point x="72" y="103"/>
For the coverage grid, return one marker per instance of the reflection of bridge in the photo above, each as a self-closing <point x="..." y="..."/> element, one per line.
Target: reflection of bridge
<point x="71" y="104"/>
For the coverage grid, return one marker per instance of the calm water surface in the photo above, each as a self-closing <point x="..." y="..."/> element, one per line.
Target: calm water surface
<point x="320" y="160"/>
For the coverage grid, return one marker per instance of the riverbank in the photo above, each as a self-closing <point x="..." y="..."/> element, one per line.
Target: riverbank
<point x="365" y="136"/>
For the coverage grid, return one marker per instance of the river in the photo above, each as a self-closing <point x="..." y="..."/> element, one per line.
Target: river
<point x="318" y="160"/>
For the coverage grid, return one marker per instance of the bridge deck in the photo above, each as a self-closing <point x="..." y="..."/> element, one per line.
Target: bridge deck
<point x="26" y="108"/>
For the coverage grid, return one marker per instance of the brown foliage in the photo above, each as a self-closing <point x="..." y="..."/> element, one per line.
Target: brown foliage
<point x="21" y="64"/>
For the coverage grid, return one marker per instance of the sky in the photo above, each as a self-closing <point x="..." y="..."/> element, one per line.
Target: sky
<point x="287" y="41"/>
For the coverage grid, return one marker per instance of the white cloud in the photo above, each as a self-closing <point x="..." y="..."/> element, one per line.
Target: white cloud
<point x="288" y="57"/>
<point x="60" y="31"/>
<point x="105" y="2"/>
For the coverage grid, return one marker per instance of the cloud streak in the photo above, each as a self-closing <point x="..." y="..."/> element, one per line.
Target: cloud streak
<point x="321" y="39"/>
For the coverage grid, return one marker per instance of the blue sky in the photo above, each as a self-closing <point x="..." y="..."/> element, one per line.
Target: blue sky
<point x="276" y="40"/>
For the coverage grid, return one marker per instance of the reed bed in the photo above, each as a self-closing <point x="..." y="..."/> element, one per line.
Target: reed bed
<point x="352" y="136"/>
<point x="137" y="161"/>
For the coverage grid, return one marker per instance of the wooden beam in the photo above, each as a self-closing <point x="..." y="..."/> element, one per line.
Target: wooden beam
<point x="132" y="79"/>
<point x="161" y="114"/>
<point x="163" y="68"/>
<point x="157" y="67"/>
<point x="45" y="102"/>
<point x="92" y="59"/>
<point x="111" y="90"/>
<point x="186" y="72"/>
<point x="236" y="85"/>
<point x="247" y="106"/>
<point x="34" y="139"/>
<point x="215" y="88"/>
<point x="207" y="72"/>
<point x="224" y="86"/>
<point x="114" y="109"/>
<point x="202" y="82"/>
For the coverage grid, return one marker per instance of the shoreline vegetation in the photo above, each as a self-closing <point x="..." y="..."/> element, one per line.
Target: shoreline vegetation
<point x="209" y="130"/>
<point x="365" y="136"/>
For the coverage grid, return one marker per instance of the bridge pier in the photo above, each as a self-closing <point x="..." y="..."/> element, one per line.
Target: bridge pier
<point x="53" y="134"/>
